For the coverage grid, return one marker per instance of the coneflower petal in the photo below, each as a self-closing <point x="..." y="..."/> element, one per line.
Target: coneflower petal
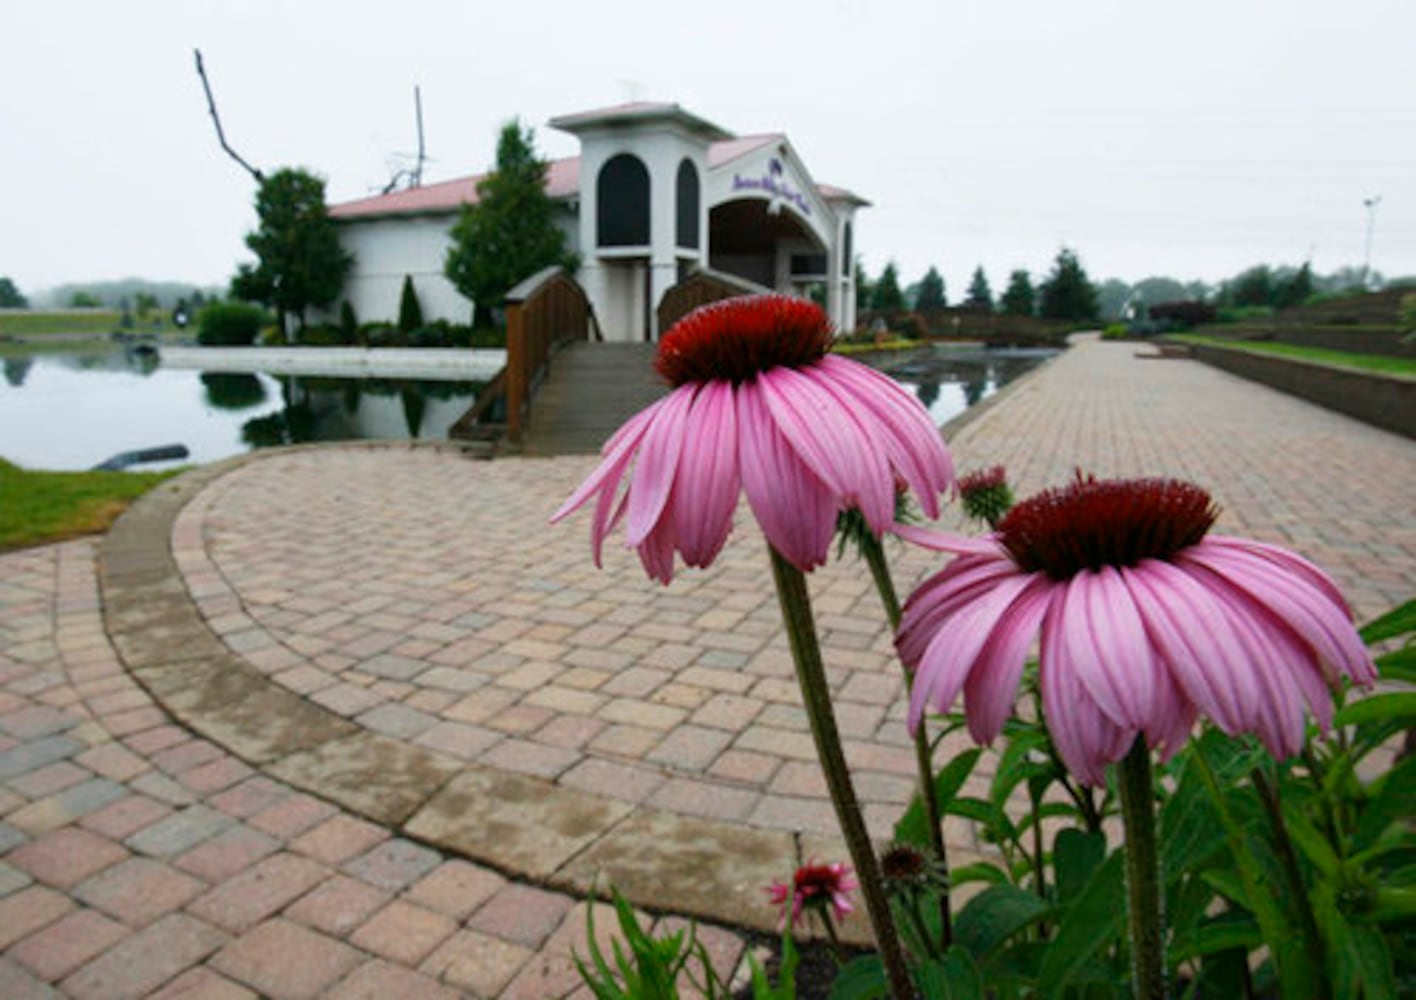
<point x="1207" y="663"/>
<point x="658" y="462"/>
<point x="1091" y="652"/>
<point x="1323" y="624"/>
<point x="913" y="445"/>
<point x="1085" y="737"/>
<point x="992" y="685"/>
<point x="831" y="442"/>
<point x="706" y="486"/>
<point x="617" y="452"/>
<point x="795" y="509"/>
<point x="955" y="649"/>
<point x="945" y="541"/>
<point x="935" y="600"/>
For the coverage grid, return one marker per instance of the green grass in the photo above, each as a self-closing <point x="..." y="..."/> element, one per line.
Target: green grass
<point x="843" y="347"/>
<point x="34" y="323"/>
<point x="39" y="507"/>
<point x="1340" y="359"/>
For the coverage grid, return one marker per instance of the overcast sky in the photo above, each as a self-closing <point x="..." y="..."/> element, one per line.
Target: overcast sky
<point x="1185" y="139"/>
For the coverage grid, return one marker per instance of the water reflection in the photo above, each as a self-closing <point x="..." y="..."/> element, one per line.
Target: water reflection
<point x="71" y="410"/>
<point x="340" y="409"/>
<point x="948" y="382"/>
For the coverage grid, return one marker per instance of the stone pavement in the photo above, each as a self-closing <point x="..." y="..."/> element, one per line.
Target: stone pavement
<point x="400" y="723"/>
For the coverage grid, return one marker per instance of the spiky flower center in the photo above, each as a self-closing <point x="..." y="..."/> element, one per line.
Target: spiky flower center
<point x="1094" y="523"/>
<point x="737" y="339"/>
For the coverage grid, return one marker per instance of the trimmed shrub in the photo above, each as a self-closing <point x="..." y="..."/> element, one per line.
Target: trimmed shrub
<point x="348" y="323"/>
<point x="382" y="335"/>
<point x="909" y="326"/>
<point x="1184" y="313"/>
<point x="323" y="335"/>
<point x="229" y="324"/>
<point x="410" y="313"/>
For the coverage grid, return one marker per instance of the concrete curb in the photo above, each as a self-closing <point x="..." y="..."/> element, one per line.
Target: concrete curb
<point x="525" y="827"/>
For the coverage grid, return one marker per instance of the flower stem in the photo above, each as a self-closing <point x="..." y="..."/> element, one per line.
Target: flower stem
<point x="1142" y="874"/>
<point x="816" y="697"/>
<point x="879" y="569"/>
<point x="1297" y="889"/>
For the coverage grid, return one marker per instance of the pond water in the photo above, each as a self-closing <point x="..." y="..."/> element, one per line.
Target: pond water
<point x="73" y="410"/>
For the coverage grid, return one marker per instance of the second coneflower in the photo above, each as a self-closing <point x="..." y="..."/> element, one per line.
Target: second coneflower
<point x="1146" y="621"/>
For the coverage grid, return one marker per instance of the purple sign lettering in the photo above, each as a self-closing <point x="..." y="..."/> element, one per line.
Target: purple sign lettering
<point x="775" y="184"/>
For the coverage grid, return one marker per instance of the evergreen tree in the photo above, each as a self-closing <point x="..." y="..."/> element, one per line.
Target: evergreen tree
<point x="1254" y="287"/>
<point x="1019" y="299"/>
<point x="1295" y="289"/>
<point x="931" y="292"/>
<point x="410" y="313"/>
<point x="299" y="261"/>
<point x="980" y="296"/>
<point x="510" y="232"/>
<point x="1067" y="293"/>
<point x="886" y="295"/>
<point x="863" y="286"/>
<point x="10" y="297"/>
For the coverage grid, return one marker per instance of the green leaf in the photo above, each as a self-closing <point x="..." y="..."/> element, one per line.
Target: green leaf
<point x="1230" y="931"/>
<point x="913" y="827"/>
<point x="995" y="915"/>
<point x="1076" y="855"/>
<point x="952" y="978"/>
<point x="1399" y="665"/>
<point x="1091" y="923"/>
<point x="861" y="979"/>
<point x="1398" y="621"/>
<point x="1312" y="843"/>
<point x="979" y="871"/>
<point x="1379" y="708"/>
<point x="1395" y="800"/>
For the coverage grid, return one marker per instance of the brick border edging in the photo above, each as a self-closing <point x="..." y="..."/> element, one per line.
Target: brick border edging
<point x="525" y="827"/>
<point x="1388" y="402"/>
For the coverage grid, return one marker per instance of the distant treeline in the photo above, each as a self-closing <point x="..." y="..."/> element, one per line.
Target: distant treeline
<point x="122" y="292"/>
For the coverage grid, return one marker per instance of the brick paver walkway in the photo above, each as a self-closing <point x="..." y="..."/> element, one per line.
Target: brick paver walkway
<point x="422" y="597"/>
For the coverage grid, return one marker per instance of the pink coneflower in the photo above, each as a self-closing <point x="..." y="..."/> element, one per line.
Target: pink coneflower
<point x="819" y="887"/>
<point x="759" y="405"/>
<point x="1146" y="621"/>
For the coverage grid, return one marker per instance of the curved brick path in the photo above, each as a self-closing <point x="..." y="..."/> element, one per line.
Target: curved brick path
<point x="407" y="611"/>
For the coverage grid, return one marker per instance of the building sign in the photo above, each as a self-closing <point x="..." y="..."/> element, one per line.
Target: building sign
<point x="774" y="182"/>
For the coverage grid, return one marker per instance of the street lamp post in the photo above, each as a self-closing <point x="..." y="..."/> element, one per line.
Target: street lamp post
<point x="1370" y="204"/>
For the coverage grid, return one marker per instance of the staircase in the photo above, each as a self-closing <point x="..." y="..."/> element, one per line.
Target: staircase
<point x="590" y="390"/>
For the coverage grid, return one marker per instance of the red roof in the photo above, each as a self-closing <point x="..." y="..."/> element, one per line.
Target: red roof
<point x="562" y="181"/>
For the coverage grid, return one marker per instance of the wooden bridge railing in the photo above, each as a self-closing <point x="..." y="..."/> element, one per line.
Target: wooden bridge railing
<point x="700" y="288"/>
<point x="543" y="313"/>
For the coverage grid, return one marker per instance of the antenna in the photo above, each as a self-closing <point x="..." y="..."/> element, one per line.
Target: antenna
<point x="414" y="174"/>
<point x="418" y="111"/>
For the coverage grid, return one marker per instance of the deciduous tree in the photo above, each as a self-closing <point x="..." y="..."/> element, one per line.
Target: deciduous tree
<point x="299" y="260"/>
<point x="10" y="297"/>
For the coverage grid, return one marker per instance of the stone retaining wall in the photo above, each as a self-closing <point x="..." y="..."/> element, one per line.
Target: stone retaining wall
<point x="1385" y="401"/>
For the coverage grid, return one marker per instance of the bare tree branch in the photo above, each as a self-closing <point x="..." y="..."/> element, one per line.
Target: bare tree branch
<point x="220" y="135"/>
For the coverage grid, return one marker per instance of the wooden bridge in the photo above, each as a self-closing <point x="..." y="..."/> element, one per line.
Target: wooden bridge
<point x="564" y="389"/>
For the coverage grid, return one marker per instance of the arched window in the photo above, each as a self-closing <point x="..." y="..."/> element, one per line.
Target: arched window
<point x="622" y="196"/>
<point x="686" y="190"/>
<point x="847" y="263"/>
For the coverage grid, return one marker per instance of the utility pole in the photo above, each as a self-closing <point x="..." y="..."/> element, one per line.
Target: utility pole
<point x="1370" y="204"/>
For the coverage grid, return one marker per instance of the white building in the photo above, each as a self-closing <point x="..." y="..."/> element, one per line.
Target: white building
<point x="656" y="193"/>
